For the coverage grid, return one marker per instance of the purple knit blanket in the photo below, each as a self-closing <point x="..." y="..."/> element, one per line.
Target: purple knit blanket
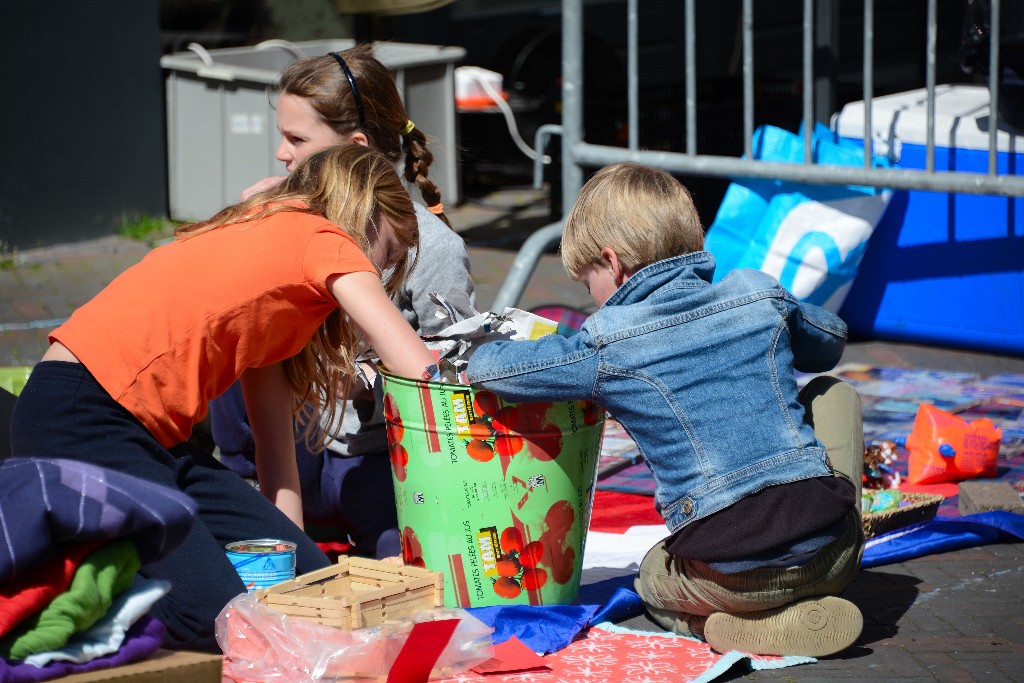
<point x="48" y="502"/>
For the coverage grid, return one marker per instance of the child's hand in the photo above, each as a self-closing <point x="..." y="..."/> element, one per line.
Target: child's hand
<point x="397" y="559"/>
<point x="262" y="185"/>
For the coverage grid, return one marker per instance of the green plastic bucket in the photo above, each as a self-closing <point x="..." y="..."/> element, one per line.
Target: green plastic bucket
<point x="494" y="495"/>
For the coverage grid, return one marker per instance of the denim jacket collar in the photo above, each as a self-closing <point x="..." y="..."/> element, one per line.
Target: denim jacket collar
<point x="699" y="265"/>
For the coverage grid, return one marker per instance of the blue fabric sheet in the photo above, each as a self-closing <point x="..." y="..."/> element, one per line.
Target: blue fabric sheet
<point x="543" y="629"/>
<point x="549" y="628"/>
<point x="942" y="535"/>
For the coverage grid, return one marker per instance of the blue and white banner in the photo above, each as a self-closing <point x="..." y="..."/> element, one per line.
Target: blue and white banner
<point x="809" y="237"/>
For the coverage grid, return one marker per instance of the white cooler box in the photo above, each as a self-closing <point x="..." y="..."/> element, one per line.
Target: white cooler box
<point x="941" y="268"/>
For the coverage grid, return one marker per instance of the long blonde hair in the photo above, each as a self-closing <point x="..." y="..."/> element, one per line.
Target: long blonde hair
<point x="353" y="187"/>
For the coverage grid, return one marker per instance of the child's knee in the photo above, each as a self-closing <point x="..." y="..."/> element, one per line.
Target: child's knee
<point x="827" y="391"/>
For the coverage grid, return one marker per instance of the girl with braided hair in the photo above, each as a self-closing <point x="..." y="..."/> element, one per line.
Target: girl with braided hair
<point x="350" y="97"/>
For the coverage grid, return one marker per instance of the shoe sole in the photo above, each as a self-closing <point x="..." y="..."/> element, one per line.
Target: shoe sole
<point x="811" y="628"/>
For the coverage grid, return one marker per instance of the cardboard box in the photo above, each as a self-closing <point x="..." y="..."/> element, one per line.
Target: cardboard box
<point x="163" y="666"/>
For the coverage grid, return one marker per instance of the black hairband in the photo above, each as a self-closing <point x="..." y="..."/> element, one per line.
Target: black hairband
<point x="352" y="84"/>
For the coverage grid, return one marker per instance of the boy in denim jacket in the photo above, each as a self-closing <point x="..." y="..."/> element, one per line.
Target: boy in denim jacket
<point x="759" y="484"/>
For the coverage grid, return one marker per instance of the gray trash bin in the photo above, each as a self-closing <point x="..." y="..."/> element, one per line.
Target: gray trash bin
<point x="221" y="129"/>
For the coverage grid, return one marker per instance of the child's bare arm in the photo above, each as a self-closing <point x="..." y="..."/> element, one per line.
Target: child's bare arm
<point x="261" y="185"/>
<point x="361" y="295"/>
<point x="268" y="403"/>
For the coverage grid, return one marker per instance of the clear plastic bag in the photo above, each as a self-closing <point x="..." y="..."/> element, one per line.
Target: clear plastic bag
<point x="262" y="644"/>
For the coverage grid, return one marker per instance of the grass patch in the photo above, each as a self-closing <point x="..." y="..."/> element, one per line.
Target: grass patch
<point x="6" y="257"/>
<point x="146" y="228"/>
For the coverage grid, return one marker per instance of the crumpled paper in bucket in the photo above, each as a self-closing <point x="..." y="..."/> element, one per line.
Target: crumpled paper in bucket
<point x="455" y="344"/>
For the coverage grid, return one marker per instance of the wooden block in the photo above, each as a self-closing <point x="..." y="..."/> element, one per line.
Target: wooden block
<point x="983" y="495"/>
<point x="357" y="592"/>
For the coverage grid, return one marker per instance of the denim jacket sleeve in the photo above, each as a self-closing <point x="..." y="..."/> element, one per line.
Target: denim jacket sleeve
<point x="818" y="337"/>
<point x="553" y="368"/>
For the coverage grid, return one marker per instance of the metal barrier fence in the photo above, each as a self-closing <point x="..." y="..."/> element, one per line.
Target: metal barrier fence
<point x="577" y="153"/>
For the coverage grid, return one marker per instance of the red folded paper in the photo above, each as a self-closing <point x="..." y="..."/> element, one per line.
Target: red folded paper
<point x="512" y="656"/>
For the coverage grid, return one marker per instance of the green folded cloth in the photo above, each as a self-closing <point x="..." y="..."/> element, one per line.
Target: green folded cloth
<point x="100" y="578"/>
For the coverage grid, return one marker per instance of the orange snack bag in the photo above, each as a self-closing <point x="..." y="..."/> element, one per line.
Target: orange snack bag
<point x="946" y="447"/>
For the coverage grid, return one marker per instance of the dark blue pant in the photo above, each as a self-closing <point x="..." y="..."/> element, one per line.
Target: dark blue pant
<point x="352" y="493"/>
<point x="64" y="413"/>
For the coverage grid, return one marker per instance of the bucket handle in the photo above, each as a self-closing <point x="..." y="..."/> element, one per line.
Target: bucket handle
<point x="201" y="51"/>
<point x="286" y="45"/>
<point x="209" y="69"/>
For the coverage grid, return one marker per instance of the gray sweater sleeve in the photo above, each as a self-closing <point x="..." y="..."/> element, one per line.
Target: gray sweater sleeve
<point x="443" y="268"/>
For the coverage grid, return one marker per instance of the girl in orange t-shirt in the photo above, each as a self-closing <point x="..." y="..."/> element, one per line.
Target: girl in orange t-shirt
<point x="351" y="97"/>
<point x="282" y="292"/>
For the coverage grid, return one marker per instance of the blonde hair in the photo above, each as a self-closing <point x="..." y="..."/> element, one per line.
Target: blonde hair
<point x="353" y="187"/>
<point x="324" y="84"/>
<point x="643" y="213"/>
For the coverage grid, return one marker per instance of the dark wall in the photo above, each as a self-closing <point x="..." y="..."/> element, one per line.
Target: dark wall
<point x="82" y="117"/>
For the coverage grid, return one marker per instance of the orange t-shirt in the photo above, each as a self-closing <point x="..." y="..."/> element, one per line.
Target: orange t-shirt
<point x="179" y="327"/>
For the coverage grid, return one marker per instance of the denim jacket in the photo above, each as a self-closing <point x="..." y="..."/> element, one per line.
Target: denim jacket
<point x="699" y="374"/>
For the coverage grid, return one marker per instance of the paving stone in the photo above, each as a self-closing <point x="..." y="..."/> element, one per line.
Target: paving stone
<point x="927" y="627"/>
<point x="1005" y="550"/>
<point x="984" y="495"/>
<point x="1010" y="627"/>
<point x="983" y="669"/>
<point x="964" y="623"/>
<point x="943" y="644"/>
<point x="897" y="659"/>
<point x="945" y="668"/>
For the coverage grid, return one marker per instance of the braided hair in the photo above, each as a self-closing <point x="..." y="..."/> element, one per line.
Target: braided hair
<point x="368" y="103"/>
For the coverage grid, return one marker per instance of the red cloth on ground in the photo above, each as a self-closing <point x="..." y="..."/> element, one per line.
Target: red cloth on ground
<point x="334" y="549"/>
<point x="23" y="597"/>
<point x="602" y="656"/>
<point x="615" y="512"/>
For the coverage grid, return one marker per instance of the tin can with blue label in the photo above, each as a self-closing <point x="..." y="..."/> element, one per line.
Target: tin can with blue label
<point x="262" y="562"/>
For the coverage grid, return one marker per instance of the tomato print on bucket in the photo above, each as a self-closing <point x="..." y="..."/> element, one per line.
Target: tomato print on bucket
<point x="495" y="495"/>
